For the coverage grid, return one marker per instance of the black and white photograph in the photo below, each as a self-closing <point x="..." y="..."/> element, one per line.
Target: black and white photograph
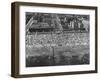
<point x="53" y="39"/>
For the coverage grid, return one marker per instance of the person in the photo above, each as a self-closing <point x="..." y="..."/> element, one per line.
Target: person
<point x="81" y="26"/>
<point x="75" y="24"/>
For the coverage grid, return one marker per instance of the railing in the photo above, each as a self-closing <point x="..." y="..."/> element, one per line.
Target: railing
<point x="30" y="22"/>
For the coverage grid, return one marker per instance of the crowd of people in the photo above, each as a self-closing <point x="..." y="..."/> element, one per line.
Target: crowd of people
<point x="62" y="39"/>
